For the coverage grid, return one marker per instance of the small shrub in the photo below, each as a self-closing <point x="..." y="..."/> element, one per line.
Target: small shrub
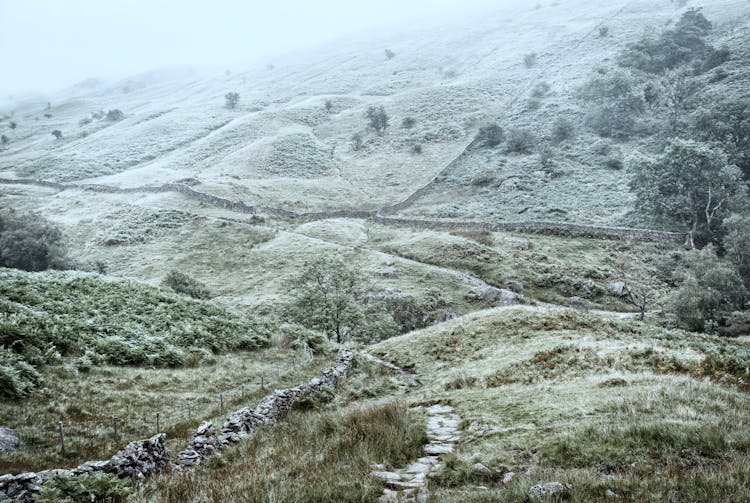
<point x="490" y="135"/>
<point x="611" y="122"/>
<point x="182" y="283"/>
<point x="17" y="378"/>
<point x="483" y="177"/>
<point x="614" y="163"/>
<point x="114" y="115"/>
<point x="85" y="121"/>
<point x="12" y="125"/>
<point x="603" y="31"/>
<point x="562" y="130"/>
<point x="329" y="106"/>
<point x="416" y="148"/>
<point x="529" y="60"/>
<point x="47" y="116"/>
<point x="546" y="154"/>
<point x="377" y="118"/>
<point x="357" y="141"/>
<point x="520" y="141"/>
<point x="533" y="104"/>
<point x="602" y="148"/>
<point x="4" y="139"/>
<point x="232" y="99"/>
<point x="57" y="134"/>
<point x="408" y="122"/>
<point x="540" y="90"/>
<point x="389" y="54"/>
<point x="94" y="487"/>
<point x="315" y="401"/>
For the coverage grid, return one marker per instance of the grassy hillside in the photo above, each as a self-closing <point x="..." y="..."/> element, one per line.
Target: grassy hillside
<point x="647" y="413"/>
<point x="564" y="386"/>
<point x="281" y="141"/>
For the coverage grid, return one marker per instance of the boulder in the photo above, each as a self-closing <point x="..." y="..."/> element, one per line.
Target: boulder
<point x="549" y="491"/>
<point x="494" y="295"/>
<point x="514" y="286"/>
<point x="617" y="288"/>
<point x="8" y="440"/>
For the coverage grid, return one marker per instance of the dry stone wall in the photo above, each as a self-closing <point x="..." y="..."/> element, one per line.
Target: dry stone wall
<point x="207" y="442"/>
<point x="143" y="458"/>
<point x="379" y="216"/>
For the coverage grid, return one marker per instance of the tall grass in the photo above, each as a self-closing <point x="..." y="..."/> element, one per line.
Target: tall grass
<point x="310" y="457"/>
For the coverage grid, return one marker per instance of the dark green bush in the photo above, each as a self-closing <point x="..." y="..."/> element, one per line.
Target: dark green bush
<point x="30" y="242"/>
<point x="93" y="488"/>
<point x="182" y="283"/>
<point x="673" y="48"/>
<point x="46" y="315"/>
<point x="562" y="129"/>
<point x="114" y="115"/>
<point x="17" y="378"/>
<point x="231" y="99"/>
<point x="520" y="141"/>
<point x="490" y="135"/>
<point x="377" y="118"/>
<point x="727" y="123"/>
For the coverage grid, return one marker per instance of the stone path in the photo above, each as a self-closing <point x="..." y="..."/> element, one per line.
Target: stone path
<point x="410" y="483"/>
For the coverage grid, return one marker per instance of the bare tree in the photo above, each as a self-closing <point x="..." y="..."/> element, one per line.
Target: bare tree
<point x="634" y="292"/>
<point x="640" y="296"/>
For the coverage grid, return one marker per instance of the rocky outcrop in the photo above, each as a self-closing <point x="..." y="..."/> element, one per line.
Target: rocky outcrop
<point x="8" y="440"/>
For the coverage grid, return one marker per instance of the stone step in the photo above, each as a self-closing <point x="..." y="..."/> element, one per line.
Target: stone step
<point x="387" y="475"/>
<point x="440" y="409"/>
<point x="403" y="486"/>
<point x="438" y="448"/>
<point x="419" y="468"/>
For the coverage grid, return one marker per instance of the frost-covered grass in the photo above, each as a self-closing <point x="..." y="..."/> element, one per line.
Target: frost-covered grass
<point x="87" y="399"/>
<point x="310" y="456"/>
<point x="114" y="321"/>
<point x="549" y="268"/>
<point x="602" y="405"/>
<point x="281" y="147"/>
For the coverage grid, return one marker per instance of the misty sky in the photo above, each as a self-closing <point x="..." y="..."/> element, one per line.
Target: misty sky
<point x="49" y="44"/>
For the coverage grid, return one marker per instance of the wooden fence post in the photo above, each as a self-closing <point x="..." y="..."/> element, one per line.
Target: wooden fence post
<point x="62" y="436"/>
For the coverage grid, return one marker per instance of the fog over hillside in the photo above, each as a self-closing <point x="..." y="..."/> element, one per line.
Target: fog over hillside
<point x="375" y="251"/>
<point x="48" y="44"/>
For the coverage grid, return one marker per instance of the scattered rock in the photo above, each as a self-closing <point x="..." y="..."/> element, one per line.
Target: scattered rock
<point x="494" y="295"/>
<point x="616" y="288"/>
<point x="514" y="286"/>
<point x="579" y="301"/>
<point x="480" y="468"/>
<point x="8" y="440"/>
<point x="547" y="491"/>
<point x="611" y="494"/>
<point x="587" y="287"/>
<point x="508" y="477"/>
